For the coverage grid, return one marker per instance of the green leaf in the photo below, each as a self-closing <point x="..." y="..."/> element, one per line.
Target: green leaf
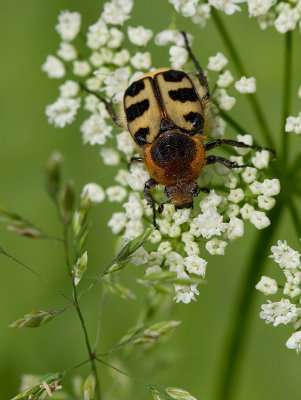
<point x="161" y="328"/>
<point x="35" y="319"/>
<point x="117" y="289"/>
<point x="36" y="389"/>
<point x="25" y="394"/>
<point x="53" y="173"/>
<point x="124" y="255"/>
<point x="129" y="335"/>
<point x="67" y="203"/>
<point x="89" y="387"/>
<point x="80" y="268"/>
<point x="159" y="392"/>
<point x="179" y="394"/>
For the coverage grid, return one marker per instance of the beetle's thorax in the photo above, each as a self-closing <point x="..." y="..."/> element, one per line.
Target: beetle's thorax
<point x="175" y="157"/>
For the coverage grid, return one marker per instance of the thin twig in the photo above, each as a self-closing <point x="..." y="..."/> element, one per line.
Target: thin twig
<point x="49" y="283"/>
<point x="99" y="319"/>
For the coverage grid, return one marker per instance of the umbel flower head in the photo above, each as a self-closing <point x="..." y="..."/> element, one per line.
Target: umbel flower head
<point x="236" y="197"/>
<point x="287" y="310"/>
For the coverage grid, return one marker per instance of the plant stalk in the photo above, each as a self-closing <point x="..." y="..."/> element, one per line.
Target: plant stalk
<point x="238" y="335"/>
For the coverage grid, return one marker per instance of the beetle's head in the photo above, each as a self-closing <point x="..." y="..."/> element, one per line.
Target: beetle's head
<point x="181" y="194"/>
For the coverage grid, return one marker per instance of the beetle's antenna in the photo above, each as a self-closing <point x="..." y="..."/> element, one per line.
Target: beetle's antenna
<point x="201" y="75"/>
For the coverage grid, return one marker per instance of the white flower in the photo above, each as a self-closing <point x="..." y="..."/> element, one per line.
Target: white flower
<point x="246" y="211"/>
<point x="134" y="227"/>
<point x="247" y="139"/>
<point x="294" y="341"/>
<point x="259" y="220"/>
<point x="293" y="124"/>
<point x="209" y="200"/>
<point x="281" y="312"/>
<point x="69" y="89"/>
<point x="249" y="174"/>
<point x="155" y="236"/>
<point x="285" y="256"/>
<point x="139" y="36"/>
<point x="259" y="7"/>
<point x="69" y="25"/>
<point x="95" y="130"/>
<point x="81" y="68"/>
<point x="110" y="156"/>
<point x="153" y="270"/>
<point x="217" y="62"/>
<point x="255" y="187"/>
<point x="118" y="222"/>
<point x="140" y="257"/>
<point x="236" y="195"/>
<point x="67" y="52"/>
<point x="62" y="112"/>
<point x="116" y="83"/>
<point x="217" y="127"/>
<point x="195" y="265"/>
<point x="201" y="15"/>
<point x="208" y="224"/>
<point x="115" y="38"/>
<point x="54" y="67"/>
<point x="235" y="228"/>
<point x="267" y="285"/>
<point x="181" y="216"/>
<point x="266" y="20"/>
<point x="138" y="176"/>
<point x="227" y="6"/>
<point x="261" y="159"/>
<point x="233" y="210"/>
<point x="291" y="290"/>
<point x="225" y="79"/>
<point x="97" y="35"/>
<point x="230" y="181"/>
<point x="133" y="208"/>
<point x="266" y="202"/>
<point x="216" y="246"/>
<point x="174" y="231"/>
<point x="171" y="36"/>
<point x="293" y="275"/>
<point x="92" y="194"/>
<point x="191" y="248"/>
<point x="186" y="7"/>
<point x="225" y="102"/>
<point x="185" y="293"/>
<point x="116" y="11"/>
<point x="116" y="193"/>
<point x="164" y="248"/>
<point x="121" y="58"/>
<point x="141" y="60"/>
<point x="246" y="85"/>
<point x="287" y="20"/>
<point x="125" y="143"/>
<point x="178" y="56"/>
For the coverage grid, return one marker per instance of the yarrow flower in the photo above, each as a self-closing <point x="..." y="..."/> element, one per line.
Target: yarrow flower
<point x="185" y="236"/>
<point x="284" y="311"/>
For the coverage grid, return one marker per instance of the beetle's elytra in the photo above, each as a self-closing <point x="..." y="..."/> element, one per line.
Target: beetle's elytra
<point x="167" y="114"/>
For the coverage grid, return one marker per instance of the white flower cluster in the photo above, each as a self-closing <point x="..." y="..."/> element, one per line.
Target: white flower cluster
<point x="284" y="311"/>
<point x="283" y="15"/>
<point x="293" y="124"/>
<point x="184" y="236"/>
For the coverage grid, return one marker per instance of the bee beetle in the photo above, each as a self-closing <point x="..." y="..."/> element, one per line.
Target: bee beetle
<point x="167" y="113"/>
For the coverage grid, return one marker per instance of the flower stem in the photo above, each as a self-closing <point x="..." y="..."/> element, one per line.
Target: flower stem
<point x="79" y="312"/>
<point x="239" y="328"/>
<point x="242" y="71"/>
<point x="287" y="85"/>
<point x="295" y="217"/>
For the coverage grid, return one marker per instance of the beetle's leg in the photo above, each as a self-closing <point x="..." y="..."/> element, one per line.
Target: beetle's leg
<point x="108" y="104"/>
<point x="161" y="206"/>
<point x="225" y="162"/>
<point x="234" y="143"/>
<point x="149" y="198"/>
<point x="201" y="76"/>
<point x="196" y="190"/>
<point x="136" y="159"/>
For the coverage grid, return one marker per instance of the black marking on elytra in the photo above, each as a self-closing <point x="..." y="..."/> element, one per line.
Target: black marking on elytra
<point x="195" y="119"/>
<point x="173" y="148"/>
<point x="183" y="95"/>
<point x="173" y="75"/>
<point x="141" y="136"/>
<point x="136" y="110"/>
<point x="135" y="88"/>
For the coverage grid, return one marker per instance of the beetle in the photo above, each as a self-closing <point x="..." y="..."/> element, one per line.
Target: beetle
<point x="167" y="114"/>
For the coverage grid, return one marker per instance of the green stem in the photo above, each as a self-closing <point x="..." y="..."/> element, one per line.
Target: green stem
<point x="241" y="69"/>
<point x="239" y="328"/>
<point x="49" y="283"/>
<point x="287" y="86"/>
<point x="79" y="312"/>
<point x="295" y="217"/>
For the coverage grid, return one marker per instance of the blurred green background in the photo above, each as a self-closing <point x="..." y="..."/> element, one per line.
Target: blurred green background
<point x="191" y="358"/>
